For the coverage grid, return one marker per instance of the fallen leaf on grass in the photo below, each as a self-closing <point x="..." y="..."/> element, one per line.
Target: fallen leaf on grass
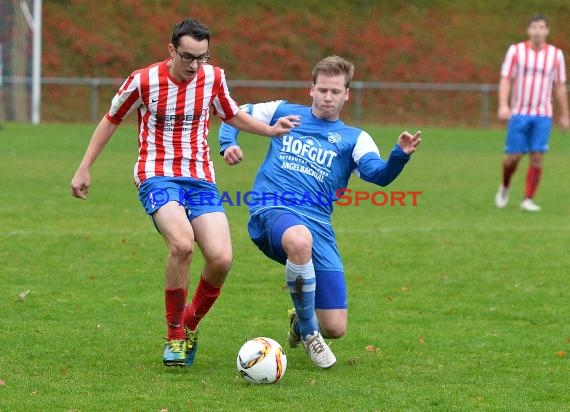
<point x="371" y="348"/>
<point x="421" y="340"/>
<point x="561" y="354"/>
<point x="2" y="382"/>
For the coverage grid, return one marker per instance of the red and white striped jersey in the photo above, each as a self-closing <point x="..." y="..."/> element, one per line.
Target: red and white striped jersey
<point x="173" y="119"/>
<point x="533" y="73"/>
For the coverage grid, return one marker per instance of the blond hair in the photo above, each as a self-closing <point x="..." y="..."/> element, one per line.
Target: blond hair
<point x="333" y="66"/>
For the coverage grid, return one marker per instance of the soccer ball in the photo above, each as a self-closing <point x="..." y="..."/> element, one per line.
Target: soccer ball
<point x="261" y="360"/>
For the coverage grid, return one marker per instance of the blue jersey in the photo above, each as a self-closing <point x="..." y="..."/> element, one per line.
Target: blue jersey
<point x="305" y="169"/>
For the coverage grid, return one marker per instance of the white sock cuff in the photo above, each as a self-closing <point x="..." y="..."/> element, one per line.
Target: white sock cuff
<point x="302" y="270"/>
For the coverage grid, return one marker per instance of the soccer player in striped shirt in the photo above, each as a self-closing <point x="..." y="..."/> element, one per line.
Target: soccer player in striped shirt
<point x="173" y="99"/>
<point x="531" y="72"/>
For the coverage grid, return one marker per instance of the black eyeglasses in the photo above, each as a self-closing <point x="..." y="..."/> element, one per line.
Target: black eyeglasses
<point x="188" y="58"/>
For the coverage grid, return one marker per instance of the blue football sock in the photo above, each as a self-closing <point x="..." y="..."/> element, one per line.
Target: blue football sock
<point x="302" y="282"/>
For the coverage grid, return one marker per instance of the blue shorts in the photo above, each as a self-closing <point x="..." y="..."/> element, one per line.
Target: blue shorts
<point x="197" y="196"/>
<point x="266" y="230"/>
<point x="528" y="134"/>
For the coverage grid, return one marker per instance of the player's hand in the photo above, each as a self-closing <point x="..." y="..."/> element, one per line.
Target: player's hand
<point x="284" y="125"/>
<point x="504" y="113"/>
<point x="80" y="184"/>
<point x="408" y="142"/>
<point x="233" y="155"/>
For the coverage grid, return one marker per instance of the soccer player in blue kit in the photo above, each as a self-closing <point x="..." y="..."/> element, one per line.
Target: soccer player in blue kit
<point x="294" y="192"/>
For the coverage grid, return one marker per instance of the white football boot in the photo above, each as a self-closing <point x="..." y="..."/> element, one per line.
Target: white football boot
<point x="502" y="197"/>
<point x="530" y="206"/>
<point x="319" y="351"/>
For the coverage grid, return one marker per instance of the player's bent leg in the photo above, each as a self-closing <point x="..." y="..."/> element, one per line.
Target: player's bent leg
<point x="332" y="322"/>
<point x="297" y="242"/>
<point x="173" y="225"/>
<point x="213" y="234"/>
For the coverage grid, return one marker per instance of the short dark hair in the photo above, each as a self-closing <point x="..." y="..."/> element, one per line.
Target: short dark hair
<point x="192" y="28"/>
<point x="537" y="17"/>
<point x="333" y="66"/>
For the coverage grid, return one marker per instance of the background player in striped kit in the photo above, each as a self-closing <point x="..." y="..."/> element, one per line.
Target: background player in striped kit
<point x="316" y="157"/>
<point x="529" y="73"/>
<point x="172" y="99"/>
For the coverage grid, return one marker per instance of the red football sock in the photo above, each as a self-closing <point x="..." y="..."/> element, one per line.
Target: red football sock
<point x="204" y="297"/>
<point x="508" y="171"/>
<point x="532" y="180"/>
<point x="175" y="300"/>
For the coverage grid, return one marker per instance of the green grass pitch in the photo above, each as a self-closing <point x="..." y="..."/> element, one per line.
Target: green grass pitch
<point x="467" y="306"/>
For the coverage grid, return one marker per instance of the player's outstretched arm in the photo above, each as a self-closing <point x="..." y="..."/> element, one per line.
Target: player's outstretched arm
<point x="82" y="179"/>
<point x="245" y="122"/>
<point x="372" y="168"/>
<point x="408" y="142"/>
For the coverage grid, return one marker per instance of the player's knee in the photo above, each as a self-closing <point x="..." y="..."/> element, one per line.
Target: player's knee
<point x="536" y="161"/>
<point x="181" y="249"/>
<point x="217" y="269"/>
<point x="332" y="327"/>
<point x="334" y="331"/>
<point x="222" y="263"/>
<point x="301" y="249"/>
<point x="513" y="159"/>
<point x="298" y="244"/>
